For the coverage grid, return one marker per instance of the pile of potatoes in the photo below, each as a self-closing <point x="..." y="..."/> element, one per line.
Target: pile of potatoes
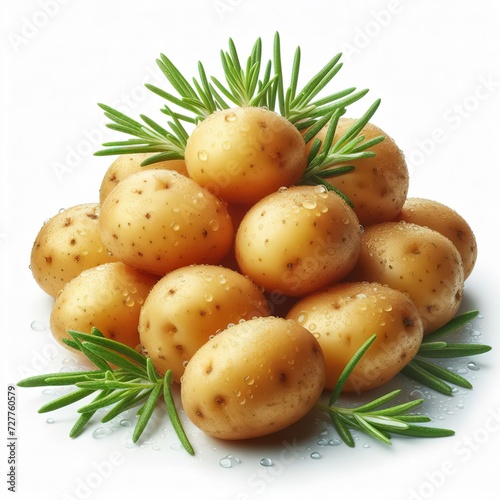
<point x="253" y="289"/>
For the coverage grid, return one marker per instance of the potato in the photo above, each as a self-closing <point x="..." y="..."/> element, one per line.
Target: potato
<point x="416" y="260"/>
<point x="344" y="316"/>
<point x="188" y="306"/>
<point x="245" y="153"/>
<point x="108" y="297"/>
<point x="253" y="379"/>
<point x="126" y="165"/>
<point x="448" y="222"/>
<point x="68" y="243"/>
<point x="378" y="186"/>
<point x="298" y="240"/>
<point x="160" y="220"/>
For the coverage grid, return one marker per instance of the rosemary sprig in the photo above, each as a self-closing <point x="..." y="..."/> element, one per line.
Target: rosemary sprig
<point x="325" y="156"/>
<point x="431" y="374"/>
<point x="375" y="418"/>
<point x="132" y="382"/>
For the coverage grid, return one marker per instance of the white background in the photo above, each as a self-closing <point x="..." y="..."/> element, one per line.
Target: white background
<point x="435" y="67"/>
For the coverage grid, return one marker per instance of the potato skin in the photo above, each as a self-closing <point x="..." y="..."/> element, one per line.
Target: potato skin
<point x="160" y="220"/>
<point x="108" y="297"/>
<point x="253" y="379"/>
<point x="245" y="153"/>
<point x="378" y="186"/>
<point x="344" y="316"/>
<point x="448" y="222"/>
<point x="188" y="306"/>
<point x="298" y="240"/>
<point x="67" y="244"/>
<point x="125" y="165"/>
<point x="418" y="261"/>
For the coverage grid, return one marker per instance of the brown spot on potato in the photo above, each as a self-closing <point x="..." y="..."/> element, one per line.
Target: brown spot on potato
<point x="169" y="328"/>
<point x="408" y="323"/>
<point x="220" y="400"/>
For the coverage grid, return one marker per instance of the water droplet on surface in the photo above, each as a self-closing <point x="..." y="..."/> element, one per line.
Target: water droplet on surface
<point x="266" y="462"/>
<point x="472" y="366"/>
<point x="321" y="190"/>
<point x="282" y="189"/>
<point x="129" y="301"/>
<point x="125" y="423"/>
<point x="230" y="117"/>
<point x="38" y="326"/>
<point x="309" y="204"/>
<point x="101" y="432"/>
<point x="214" y="225"/>
<point x="334" y="442"/>
<point x="202" y="155"/>
<point x="416" y="394"/>
<point x="229" y="461"/>
<point x="302" y="318"/>
<point x="322" y="442"/>
<point x="249" y="380"/>
<point x="366" y="445"/>
<point x="315" y="455"/>
<point x="50" y="420"/>
<point x="175" y="226"/>
<point x="226" y="145"/>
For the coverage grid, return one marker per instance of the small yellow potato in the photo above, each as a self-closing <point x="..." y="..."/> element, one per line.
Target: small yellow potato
<point x="160" y="220"/>
<point x="188" y="306"/>
<point x="448" y="222"/>
<point x="253" y="379"/>
<point x="68" y="243"/>
<point x="378" y="186"/>
<point x="125" y="165"/>
<point x="298" y="240"/>
<point x="108" y="297"/>
<point x="416" y="260"/>
<point x="245" y="153"/>
<point x="344" y="316"/>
